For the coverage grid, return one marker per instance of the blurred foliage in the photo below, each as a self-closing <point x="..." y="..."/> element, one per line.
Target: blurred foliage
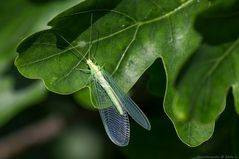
<point x="83" y="136"/>
<point x="18" y="19"/>
<point x="220" y="23"/>
<point x="13" y="101"/>
<point x="79" y="142"/>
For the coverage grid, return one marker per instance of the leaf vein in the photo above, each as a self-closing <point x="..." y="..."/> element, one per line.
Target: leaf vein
<point x="127" y="48"/>
<point x="106" y="10"/>
<point x="221" y="58"/>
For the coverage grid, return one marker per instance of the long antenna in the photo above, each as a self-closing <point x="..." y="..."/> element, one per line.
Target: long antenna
<point x="90" y="43"/>
<point x="91" y="29"/>
<point x="73" y="47"/>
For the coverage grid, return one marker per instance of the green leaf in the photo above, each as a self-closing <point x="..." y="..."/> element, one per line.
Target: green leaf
<point x="46" y="50"/>
<point x="127" y="37"/>
<point x="203" y="89"/>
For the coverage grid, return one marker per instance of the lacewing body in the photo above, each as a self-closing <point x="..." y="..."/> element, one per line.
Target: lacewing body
<point x="114" y="106"/>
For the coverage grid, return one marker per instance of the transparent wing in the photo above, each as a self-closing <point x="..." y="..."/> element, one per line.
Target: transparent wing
<point x="117" y="126"/>
<point x="99" y="96"/>
<point x="128" y="104"/>
<point x="135" y="112"/>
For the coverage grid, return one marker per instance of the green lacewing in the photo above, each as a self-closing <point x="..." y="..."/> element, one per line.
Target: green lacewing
<point x="114" y="105"/>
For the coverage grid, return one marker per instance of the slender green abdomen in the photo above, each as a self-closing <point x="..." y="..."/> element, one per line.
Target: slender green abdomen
<point x="95" y="70"/>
